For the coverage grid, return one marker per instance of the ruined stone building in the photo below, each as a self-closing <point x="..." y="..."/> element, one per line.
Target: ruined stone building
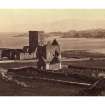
<point x="53" y="55"/>
<point x="35" y="38"/>
<point x="48" y="53"/>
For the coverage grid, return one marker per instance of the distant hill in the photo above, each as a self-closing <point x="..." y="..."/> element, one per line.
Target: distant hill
<point x="93" y="33"/>
<point x="20" y="39"/>
<point x="13" y="39"/>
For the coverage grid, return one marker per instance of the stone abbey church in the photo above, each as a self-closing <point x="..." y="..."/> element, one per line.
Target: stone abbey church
<point x="47" y="53"/>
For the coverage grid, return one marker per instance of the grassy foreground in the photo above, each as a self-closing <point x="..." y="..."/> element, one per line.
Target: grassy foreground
<point x="45" y="88"/>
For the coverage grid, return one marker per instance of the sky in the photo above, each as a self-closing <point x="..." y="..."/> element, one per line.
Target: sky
<point x="48" y="20"/>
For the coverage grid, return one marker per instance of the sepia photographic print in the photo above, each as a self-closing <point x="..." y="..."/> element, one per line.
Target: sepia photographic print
<point x="52" y="52"/>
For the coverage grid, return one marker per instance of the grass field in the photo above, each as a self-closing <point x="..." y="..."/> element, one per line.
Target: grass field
<point x="46" y="88"/>
<point x="39" y="88"/>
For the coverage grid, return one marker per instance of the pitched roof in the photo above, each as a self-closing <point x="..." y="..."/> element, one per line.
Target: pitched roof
<point x="55" y="42"/>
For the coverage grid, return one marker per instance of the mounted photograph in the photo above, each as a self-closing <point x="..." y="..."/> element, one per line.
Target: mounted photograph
<point x="52" y="52"/>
